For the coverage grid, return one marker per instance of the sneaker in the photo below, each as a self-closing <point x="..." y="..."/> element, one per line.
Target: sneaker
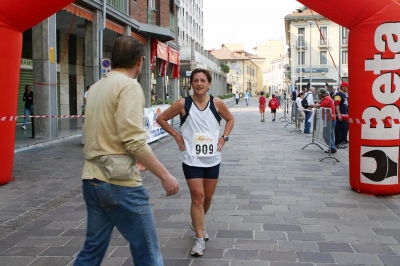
<point x="205" y="234"/>
<point x="340" y="146"/>
<point x="23" y="127"/>
<point x="273" y="119"/>
<point x="198" y="248"/>
<point x="344" y="145"/>
<point x="332" y="151"/>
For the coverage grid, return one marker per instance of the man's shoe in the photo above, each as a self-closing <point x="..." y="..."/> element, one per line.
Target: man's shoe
<point x="198" y="248"/>
<point x="332" y="151"/>
<point x="344" y="145"/>
<point x="23" y="127"/>
<point x="205" y="234"/>
<point x="273" y="119"/>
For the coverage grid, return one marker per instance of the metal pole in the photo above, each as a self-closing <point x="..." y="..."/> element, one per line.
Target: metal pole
<point x="340" y="56"/>
<point x="101" y="36"/>
<point x="310" y="60"/>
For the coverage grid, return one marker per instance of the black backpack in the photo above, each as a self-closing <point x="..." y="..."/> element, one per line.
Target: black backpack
<point x="304" y="102"/>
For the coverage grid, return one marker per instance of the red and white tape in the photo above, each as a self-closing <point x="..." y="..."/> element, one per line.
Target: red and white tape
<point x="13" y="118"/>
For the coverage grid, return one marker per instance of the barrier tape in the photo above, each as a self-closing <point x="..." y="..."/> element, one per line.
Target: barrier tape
<point x="13" y="118"/>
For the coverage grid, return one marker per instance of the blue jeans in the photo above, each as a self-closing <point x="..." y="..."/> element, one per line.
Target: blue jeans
<point x="326" y="134"/>
<point x="307" y="125"/>
<point x="247" y="101"/>
<point x="26" y="113"/>
<point x="129" y="210"/>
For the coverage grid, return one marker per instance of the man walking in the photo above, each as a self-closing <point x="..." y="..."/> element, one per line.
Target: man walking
<point x="115" y="151"/>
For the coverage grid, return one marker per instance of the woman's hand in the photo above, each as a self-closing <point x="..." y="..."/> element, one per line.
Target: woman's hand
<point x="221" y="143"/>
<point x="181" y="143"/>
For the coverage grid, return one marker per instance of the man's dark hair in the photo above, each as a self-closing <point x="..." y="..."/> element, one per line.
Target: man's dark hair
<point x="273" y="95"/>
<point x="201" y="70"/>
<point x="87" y="87"/>
<point x="262" y="93"/>
<point x="126" y="52"/>
<point x="26" y="86"/>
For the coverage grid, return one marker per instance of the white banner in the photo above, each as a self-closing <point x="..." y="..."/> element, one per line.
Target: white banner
<point x="153" y="129"/>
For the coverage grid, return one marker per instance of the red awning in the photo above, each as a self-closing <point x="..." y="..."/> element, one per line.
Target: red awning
<point x="79" y="11"/>
<point x="173" y="56"/>
<point x="162" y="51"/>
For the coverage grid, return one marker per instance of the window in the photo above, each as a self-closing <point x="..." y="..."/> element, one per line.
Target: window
<point x="323" y="58"/>
<point x="345" y="35"/>
<point x="301" y="34"/>
<point x="344" y="57"/>
<point x="301" y="58"/>
<point x="172" y="6"/>
<point x="323" y="37"/>
<point x="152" y="4"/>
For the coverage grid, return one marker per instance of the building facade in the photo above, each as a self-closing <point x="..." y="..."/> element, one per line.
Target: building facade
<point x="192" y="53"/>
<point x="244" y="69"/>
<point x="71" y="49"/>
<point x="313" y="40"/>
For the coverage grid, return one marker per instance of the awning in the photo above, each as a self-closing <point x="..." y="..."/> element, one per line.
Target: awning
<point x="164" y="55"/>
<point x="79" y="11"/>
<point x="114" y="26"/>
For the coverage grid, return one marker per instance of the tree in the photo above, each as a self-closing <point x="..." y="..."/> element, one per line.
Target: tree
<point x="224" y="67"/>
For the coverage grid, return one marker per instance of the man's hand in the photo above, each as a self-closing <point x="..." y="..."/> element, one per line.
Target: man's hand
<point x="170" y="184"/>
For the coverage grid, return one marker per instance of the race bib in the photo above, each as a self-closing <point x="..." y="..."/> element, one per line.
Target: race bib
<point x="204" y="145"/>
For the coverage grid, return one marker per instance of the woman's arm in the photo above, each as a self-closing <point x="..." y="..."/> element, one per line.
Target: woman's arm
<point x="175" y="109"/>
<point x="223" y="110"/>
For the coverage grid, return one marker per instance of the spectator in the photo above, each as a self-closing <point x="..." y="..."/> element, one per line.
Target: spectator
<point x="300" y="109"/>
<point x="28" y="99"/>
<point x="86" y="94"/>
<point x="309" y="96"/>
<point x="341" y="105"/>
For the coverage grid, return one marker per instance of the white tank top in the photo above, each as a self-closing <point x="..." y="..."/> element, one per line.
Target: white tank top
<point x="200" y="131"/>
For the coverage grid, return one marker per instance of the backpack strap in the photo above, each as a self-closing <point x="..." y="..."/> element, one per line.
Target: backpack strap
<point x="214" y="110"/>
<point x="188" y="105"/>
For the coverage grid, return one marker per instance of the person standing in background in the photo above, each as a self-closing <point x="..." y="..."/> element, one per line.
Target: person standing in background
<point x="28" y="99"/>
<point x="247" y="97"/>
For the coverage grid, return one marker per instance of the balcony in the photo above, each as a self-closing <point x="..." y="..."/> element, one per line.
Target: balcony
<point x="120" y="5"/>
<point x="323" y="43"/>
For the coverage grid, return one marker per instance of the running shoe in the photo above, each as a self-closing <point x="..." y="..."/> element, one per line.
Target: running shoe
<point x="205" y="234"/>
<point x="198" y="248"/>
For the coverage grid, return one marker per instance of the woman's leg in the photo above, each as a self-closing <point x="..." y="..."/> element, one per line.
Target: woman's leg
<point x="196" y="188"/>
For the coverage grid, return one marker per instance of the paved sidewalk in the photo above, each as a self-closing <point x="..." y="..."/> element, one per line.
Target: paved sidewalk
<point x="275" y="205"/>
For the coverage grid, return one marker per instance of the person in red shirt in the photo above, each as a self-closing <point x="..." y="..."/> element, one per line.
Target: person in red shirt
<point x="263" y="102"/>
<point x="273" y="104"/>
<point x="327" y="102"/>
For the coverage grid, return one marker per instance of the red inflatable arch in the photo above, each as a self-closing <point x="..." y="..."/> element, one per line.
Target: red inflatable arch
<point x="374" y="89"/>
<point x="15" y="17"/>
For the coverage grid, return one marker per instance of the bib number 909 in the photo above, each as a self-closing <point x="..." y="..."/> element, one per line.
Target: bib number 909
<point x="204" y="149"/>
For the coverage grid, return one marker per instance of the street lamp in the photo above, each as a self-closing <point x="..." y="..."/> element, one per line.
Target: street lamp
<point x="301" y="41"/>
<point x="310" y="22"/>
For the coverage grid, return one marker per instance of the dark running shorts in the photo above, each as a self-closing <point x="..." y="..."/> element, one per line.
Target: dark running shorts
<point x="192" y="172"/>
<point x="273" y="111"/>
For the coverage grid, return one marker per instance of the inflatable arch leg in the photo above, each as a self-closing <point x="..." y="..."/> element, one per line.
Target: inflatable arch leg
<point x="374" y="89"/>
<point x="15" y="17"/>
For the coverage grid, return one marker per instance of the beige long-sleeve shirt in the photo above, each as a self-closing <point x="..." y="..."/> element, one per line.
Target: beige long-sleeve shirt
<point x="114" y="124"/>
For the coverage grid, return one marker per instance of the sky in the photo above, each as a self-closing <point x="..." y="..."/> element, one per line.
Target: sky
<point x="245" y="21"/>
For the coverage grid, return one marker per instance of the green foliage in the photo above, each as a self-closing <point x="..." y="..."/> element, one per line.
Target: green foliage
<point x="226" y="96"/>
<point x="224" y="67"/>
<point x="267" y="95"/>
<point x="166" y="101"/>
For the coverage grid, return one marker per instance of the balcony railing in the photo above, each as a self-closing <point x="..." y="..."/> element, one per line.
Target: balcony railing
<point x="172" y="22"/>
<point x="120" y="5"/>
<point x="301" y="44"/>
